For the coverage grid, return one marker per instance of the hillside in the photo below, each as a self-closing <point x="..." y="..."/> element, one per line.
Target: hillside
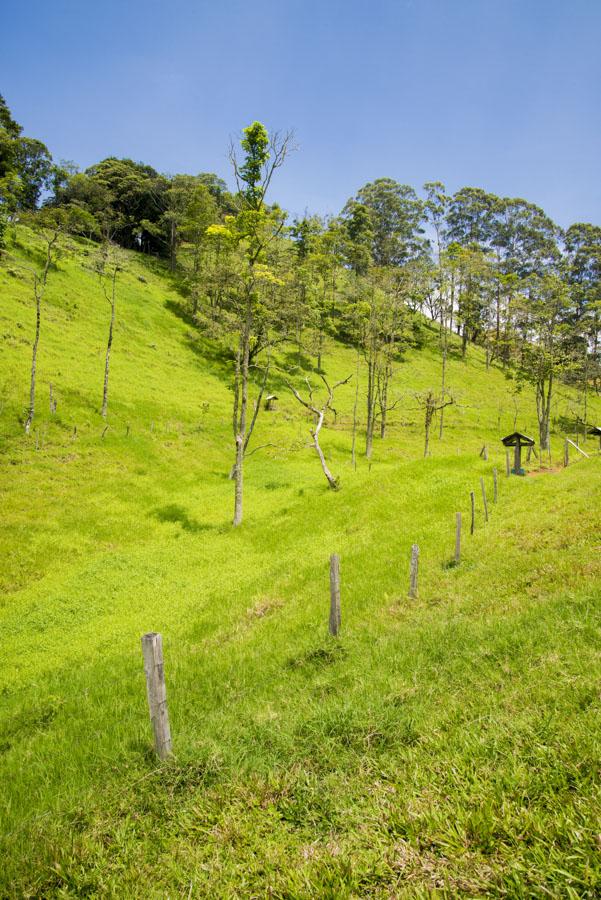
<point x="447" y="743"/>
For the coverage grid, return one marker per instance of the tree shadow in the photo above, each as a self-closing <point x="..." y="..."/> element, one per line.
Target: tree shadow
<point x="295" y="360"/>
<point x="174" y="513"/>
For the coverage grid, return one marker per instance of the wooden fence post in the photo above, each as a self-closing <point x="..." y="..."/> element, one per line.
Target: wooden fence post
<point x="485" y="454"/>
<point x="566" y="453"/>
<point x="457" y="537"/>
<point x="152" y="648"/>
<point x="507" y="464"/>
<point x="335" y="618"/>
<point x="484" y="499"/>
<point x="473" y="502"/>
<point x="413" y="571"/>
<point x="495" y="486"/>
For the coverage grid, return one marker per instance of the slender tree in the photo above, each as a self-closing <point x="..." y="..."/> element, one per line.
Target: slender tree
<point x="109" y="263"/>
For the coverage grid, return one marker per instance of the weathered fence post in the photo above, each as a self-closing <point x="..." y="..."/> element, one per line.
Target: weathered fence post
<point x="473" y="502"/>
<point x="485" y="453"/>
<point x="495" y="486"/>
<point x="566" y="453"/>
<point x="507" y="464"/>
<point x="413" y="571"/>
<point x="152" y="648"/>
<point x="335" y="618"/>
<point x="484" y="499"/>
<point x="457" y="537"/>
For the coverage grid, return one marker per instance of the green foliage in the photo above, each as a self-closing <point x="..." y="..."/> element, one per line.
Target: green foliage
<point x="255" y="144"/>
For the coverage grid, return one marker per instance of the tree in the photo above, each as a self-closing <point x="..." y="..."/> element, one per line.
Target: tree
<point x="109" y="263"/>
<point x="50" y="225"/>
<point x="250" y="304"/>
<point x="201" y="211"/>
<point x="431" y="404"/>
<point x="320" y="413"/>
<point x="583" y="275"/>
<point x="396" y="214"/>
<point x="26" y="169"/>
<point x="544" y="306"/>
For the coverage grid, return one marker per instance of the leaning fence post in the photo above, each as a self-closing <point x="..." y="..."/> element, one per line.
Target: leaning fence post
<point x="152" y="648"/>
<point x="473" y="502"/>
<point x="457" y="537"/>
<point x="495" y="486"/>
<point x="413" y="571"/>
<point x="335" y="618"/>
<point x="507" y="464"/>
<point x="484" y="499"/>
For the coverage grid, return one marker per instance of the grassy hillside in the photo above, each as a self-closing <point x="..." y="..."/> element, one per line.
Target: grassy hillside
<point x="445" y="744"/>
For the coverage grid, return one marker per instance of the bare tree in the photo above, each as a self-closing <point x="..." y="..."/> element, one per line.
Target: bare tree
<point x="431" y="404"/>
<point x="50" y="224"/>
<point x="108" y="264"/>
<point x="320" y="413"/>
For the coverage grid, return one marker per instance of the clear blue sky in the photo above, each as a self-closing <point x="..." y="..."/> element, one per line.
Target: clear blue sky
<point x="502" y="94"/>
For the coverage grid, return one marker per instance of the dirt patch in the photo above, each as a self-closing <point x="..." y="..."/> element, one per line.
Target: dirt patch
<point x="546" y="470"/>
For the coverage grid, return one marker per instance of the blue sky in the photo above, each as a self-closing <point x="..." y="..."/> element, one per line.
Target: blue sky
<point x="502" y="95"/>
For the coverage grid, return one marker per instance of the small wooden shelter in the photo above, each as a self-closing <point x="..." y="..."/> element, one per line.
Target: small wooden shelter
<point x="596" y="432"/>
<point x="517" y="440"/>
<point x="270" y="402"/>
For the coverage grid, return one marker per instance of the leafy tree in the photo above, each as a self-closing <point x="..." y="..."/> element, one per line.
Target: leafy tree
<point x="542" y="322"/>
<point x="396" y="215"/>
<point x="254" y="283"/>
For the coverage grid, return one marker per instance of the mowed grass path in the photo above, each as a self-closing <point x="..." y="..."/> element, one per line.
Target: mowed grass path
<point x="446" y="744"/>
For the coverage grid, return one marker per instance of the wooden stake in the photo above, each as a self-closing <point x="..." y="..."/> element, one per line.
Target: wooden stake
<point x="473" y="502"/>
<point x="485" y="453"/>
<point x="507" y="463"/>
<point x="495" y="486"/>
<point x="152" y="648"/>
<point x="484" y="499"/>
<point x="566" y="453"/>
<point x="413" y="571"/>
<point x="335" y="618"/>
<point x="457" y="537"/>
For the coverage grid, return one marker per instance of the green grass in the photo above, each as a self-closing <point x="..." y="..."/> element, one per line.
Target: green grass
<point x="444" y="746"/>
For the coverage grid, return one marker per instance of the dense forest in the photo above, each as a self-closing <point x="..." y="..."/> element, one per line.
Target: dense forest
<point x="495" y="270"/>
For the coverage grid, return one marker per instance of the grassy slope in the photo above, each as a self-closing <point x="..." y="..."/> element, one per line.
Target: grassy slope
<point x="447" y="742"/>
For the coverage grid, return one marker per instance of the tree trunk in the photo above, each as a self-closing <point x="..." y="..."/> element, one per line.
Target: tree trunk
<point x="354" y="438"/>
<point x="109" y="344"/>
<point x="38" y="289"/>
<point x="445" y="344"/>
<point x="371" y="400"/>
<point x="332" y="482"/>
<point x="543" y="409"/>
<point x="319" y="348"/>
<point x="240" y="407"/>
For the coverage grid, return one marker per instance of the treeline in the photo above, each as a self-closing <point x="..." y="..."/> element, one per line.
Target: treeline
<point x="498" y="271"/>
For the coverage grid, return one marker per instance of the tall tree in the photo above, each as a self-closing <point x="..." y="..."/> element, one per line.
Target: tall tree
<point x="396" y="215"/>
<point x="253" y="308"/>
<point x="542" y="320"/>
<point x="109" y="262"/>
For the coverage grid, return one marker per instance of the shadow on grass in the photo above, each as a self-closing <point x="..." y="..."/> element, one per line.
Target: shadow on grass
<point x="317" y="658"/>
<point x="174" y="513"/>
